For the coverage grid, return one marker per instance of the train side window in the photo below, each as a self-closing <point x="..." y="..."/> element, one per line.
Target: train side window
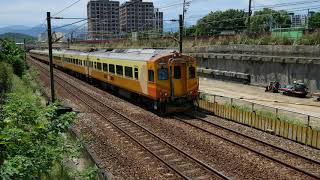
<point x="111" y="68"/>
<point x="177" y="72"/>
<point x="105" y="67"/>
<point x="95" y="65"/>
<point x="136" y="73"/>
<point x="119" y="70"/>
<point x="163" y="74"/>
<point x="151" y="75"/>
<point x="99" y="66"/>
<point x="128" y="71"/>
<point x="192" y="72"/>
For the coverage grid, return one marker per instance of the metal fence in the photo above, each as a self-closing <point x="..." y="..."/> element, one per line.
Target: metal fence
<point x="299" y="127"/>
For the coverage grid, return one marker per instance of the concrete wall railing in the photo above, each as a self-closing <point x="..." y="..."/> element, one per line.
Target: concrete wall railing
<point x="259" y="49"/>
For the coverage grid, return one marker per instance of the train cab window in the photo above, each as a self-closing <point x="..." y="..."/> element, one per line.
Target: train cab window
<point x="151" y="75"/>
<point x="192" y="72"/>
<point x="177" y="72"/>
<point x="111" y="68"/>
<point x="99" y="66"/>
<point x="128" y="72"/>
<point x="105" y="67"/>
<point x="136" y="73"/>
<point x="163" y="74"/>
<point x="119" y="70"/>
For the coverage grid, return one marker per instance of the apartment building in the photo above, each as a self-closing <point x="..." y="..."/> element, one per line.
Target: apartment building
<point x="136" y="15"/>
<point x="103" y="17"/>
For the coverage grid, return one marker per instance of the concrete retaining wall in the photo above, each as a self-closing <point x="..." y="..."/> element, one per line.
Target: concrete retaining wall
<point x="265" y="68"/>
<point x="259" y="49"/>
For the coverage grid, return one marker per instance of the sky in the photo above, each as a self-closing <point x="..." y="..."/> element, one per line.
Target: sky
<point x="33" y="12"/>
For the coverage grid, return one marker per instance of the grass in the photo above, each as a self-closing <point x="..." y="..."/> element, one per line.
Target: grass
<point x="261" y="112"/>
<point x="190" y="42"/>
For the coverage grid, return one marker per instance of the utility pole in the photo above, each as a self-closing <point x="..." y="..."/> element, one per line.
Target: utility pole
<point x="50" y="56"/>
<point x="180" y="33"/>
<point x="249" y="15"/>
<point x="184" y="10"/>
<point x="308" y="16"/>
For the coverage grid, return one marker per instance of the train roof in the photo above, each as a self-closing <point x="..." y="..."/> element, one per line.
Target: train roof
<point x="121" y="54"/>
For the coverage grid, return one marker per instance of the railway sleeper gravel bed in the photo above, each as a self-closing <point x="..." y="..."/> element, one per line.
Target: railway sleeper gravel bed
<point x="182" y="163"/>
<point x="282" y="156"/>
<point x="146" y="118"/>
<point x="117" y="153"/>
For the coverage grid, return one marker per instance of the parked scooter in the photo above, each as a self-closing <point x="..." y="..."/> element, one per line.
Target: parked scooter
<point x="273" y="87"/>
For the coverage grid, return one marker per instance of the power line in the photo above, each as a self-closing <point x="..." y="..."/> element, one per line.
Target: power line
<point x="287" y="4"/>
<point x="64" y="9"/>
<point x="66" y="25"/>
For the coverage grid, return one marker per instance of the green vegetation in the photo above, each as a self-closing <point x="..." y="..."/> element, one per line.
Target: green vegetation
<point x="34" y="143"/>
<point x="265" y="39"/>
<point x="18" y="37"/>
<point x="13" y="55"/>
<point x="6" y="75"/>
<point x="266" y="19"/>
<point x="216" y="22"/>
<point x="314" y="21"/>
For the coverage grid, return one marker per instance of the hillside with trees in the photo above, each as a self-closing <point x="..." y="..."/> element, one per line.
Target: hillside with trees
<point x="17" y="37"/>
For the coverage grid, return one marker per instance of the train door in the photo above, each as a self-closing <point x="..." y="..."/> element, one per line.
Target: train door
<point x="88" y="66"/>
<point x="179" y="79"/>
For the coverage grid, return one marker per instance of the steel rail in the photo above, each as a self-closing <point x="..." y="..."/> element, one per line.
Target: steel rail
<point x="206" y="166"/>
<point x="248" y="148"/>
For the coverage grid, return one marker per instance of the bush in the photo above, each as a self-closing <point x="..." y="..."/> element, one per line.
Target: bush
<point x="12" y="54"/>
<point x="6" y="74"/>
<point x="32" y="136"/>
<point x="310" y="39"/>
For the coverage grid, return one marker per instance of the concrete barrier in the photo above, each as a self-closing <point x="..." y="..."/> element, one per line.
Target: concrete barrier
<point x="261" y="63"/>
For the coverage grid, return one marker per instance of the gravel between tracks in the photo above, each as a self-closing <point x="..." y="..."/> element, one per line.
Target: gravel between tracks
<point x="236" y="162"/>
<point x="116" y="152"/>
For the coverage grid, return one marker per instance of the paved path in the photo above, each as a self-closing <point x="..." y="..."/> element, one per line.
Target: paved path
<point x="258" y="95"/>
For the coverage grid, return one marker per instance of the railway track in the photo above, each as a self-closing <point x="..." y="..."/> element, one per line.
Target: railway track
<point x="180" y="162"/>
<point x="292" y="160"/>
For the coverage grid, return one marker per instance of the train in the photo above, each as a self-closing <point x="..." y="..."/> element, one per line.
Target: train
<point x="165" y="80"/>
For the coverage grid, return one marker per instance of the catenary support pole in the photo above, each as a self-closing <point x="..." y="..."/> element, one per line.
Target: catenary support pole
<point x="50" y="57"/>
<point x="249" y="15"/>
<point x="180" y="33"/>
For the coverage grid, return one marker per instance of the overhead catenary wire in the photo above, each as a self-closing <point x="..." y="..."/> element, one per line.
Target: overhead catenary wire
<point x="69" y="6"/>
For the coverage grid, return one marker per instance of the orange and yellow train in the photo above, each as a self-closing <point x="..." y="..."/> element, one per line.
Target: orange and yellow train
<point x="165" y="79"/>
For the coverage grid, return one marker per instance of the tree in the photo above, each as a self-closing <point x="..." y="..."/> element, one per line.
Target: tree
<point x="264" y="20"/>
<point x="12" y="54"/>
<point x="314" y="21"/>
<point x="219" y="21"/>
